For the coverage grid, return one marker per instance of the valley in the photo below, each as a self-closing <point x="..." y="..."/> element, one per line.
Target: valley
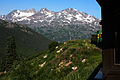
<point x="28" y="42"/>
<point x="50" y="45"/>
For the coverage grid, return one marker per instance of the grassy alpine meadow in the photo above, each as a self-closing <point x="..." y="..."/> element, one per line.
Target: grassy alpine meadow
<point x="71" y="60"/>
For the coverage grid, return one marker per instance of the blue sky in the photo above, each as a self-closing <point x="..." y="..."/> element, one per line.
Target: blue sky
<point x="88" y="6"/>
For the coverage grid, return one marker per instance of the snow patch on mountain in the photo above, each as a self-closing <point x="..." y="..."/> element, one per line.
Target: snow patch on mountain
<point x="21" y="19"/>
<point x="23" y="14"/>
<point x="79" y="17"/>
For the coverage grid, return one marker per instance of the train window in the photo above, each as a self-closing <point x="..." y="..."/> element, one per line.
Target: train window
<point x="117" y="47"/>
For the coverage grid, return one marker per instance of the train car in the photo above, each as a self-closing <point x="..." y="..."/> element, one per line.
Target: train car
<point x="97" y="38"/>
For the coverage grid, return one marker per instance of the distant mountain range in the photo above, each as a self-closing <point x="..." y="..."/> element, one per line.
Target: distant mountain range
<point x="60" y="26"/>
<point x="28" y="42"/>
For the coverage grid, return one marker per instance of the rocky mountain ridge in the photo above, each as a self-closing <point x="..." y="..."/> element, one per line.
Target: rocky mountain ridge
<point x="69" y="15"/>
<point x="69" y="22"/>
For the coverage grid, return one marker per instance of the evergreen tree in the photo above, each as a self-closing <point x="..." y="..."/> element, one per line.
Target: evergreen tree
<point x="11" y="52"/>
<point x="1" y="65"/>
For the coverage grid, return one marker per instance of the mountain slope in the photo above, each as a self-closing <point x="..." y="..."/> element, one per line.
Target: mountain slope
<point x="28" y="41"/>
<point x="62" y="23"/>
<point x="71" y="60"/>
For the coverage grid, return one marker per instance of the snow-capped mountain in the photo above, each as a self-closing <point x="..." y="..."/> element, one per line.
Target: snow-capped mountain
<point x="67" y="16"/>
<point x="17" y="15"/>
<point x="70" y="20"/>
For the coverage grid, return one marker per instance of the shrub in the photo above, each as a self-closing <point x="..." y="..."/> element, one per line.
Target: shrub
<point x="22" y="71"/>
<point x="53" y="45"/>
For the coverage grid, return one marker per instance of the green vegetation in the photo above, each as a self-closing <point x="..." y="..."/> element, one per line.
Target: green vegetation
<point x="66" y="32"/>
<point x="11" y="53"/>
<point x="53" y="45"/>
<point x="28" y="42"/>
<point x="71" y="60"/>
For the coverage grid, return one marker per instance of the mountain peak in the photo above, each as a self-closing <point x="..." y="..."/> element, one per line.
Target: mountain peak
<point x="44" y="9"/>
<point x="29" y="10"/>
<point x="70" y="9"/>
<point x="15" y="11"/>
